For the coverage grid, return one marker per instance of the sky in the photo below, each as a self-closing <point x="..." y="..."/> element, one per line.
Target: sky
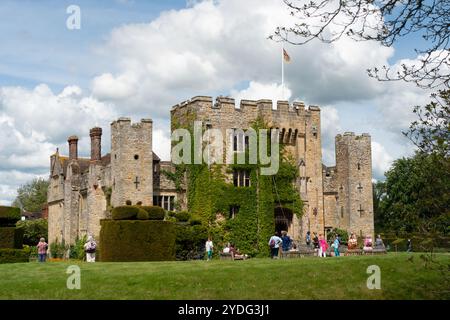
<point x="138" y="58"/>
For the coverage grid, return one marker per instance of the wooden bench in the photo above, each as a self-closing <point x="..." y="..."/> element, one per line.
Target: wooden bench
<point x="231" y="256"/>
<point x="226" y="256"/>
<point x="354" y="252"/>
<point x="299" y="253"/>
<point x="376" y="250"/>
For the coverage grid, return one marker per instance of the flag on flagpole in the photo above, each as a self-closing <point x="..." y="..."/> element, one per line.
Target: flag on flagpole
<point x="286" y="57"/>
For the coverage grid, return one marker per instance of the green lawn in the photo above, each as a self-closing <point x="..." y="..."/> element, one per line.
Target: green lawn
<point x="306" y="278"/>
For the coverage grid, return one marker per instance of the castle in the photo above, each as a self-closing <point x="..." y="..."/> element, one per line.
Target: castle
<point x="81" y="189"/>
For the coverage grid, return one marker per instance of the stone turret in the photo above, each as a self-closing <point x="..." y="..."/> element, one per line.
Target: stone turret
<point x="354" y="183"/>
<point x="131" y="162"/>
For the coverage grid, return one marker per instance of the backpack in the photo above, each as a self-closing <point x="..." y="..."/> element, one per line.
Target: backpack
<point x="272" y="243"/>
<point x="91" y="247"/>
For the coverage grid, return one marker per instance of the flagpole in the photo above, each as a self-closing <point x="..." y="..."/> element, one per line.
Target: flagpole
<point x="282" y="70"/>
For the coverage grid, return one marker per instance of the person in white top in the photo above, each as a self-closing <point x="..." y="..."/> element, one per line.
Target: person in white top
<point x="274" y="244"/>
<point x="209" y="248"/>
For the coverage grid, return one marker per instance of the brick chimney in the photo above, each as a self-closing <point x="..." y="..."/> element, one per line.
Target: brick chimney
<point x="96" y="144"/>
<point x="73" y="147"/>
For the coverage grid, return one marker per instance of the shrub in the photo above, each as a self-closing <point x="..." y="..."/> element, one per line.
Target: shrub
<point x="125" y="212"/>
<point x="190" y="241"/>
<point x="137" y="240"/>
<point x="171" y="213"/>
<point x="9" y="216"/>
<point x="77" y="250"/>
<point x="14" y="255"/>
<point x="195" y="221"/>
<point x="58" y="249"/>
<point x="155" y="212"/>
<point x="142" y="215"/>
<point x="182" y="216"/>
<point x="33" y="230"/>
<point x="11" y="237"/>
<point x="342" y="233"/>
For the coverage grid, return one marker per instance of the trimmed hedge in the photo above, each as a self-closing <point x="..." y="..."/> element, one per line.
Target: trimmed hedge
<point x="137" y="240"/>
<point x="125" y="212"/>
<point x="155" y="212"/>
<point x="11" y="237"/>
<point x="14" y="255"/>
<point x="182" y="216"/>
<point x="142" y="215"/>
<point x="9" y="215"/>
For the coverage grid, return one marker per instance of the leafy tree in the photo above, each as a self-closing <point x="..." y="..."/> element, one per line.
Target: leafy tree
<point x="32" y="196"/>
<point x="418" y="194"/>
<point x="383" y="21"/>
<point x="33" y="230"/>
<point x="379" y="193"/>
<point x="431" y="132"/>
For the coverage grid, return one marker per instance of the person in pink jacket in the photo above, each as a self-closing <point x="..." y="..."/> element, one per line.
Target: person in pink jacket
<point x="323" y="246"/>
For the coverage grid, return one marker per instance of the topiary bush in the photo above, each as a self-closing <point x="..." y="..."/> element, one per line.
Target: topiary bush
<point x="155" y="212"/>
<point x="182" y="216"/>
<point x="9" y="216"/>
<point x="11" y="237"/>
<point x="14" y="255"/>
<point x="142" y="215"/>
<point x="137" y="240"/>
<point x="126" y="212"/>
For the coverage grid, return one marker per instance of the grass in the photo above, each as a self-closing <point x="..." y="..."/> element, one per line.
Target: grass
<point x="402" y="277"/>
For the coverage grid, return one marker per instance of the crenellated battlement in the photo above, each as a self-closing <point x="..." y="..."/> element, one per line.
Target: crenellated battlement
<point x="351" y="136"/>
<point x="126" y="122"/>
<point x="263" y="105"/>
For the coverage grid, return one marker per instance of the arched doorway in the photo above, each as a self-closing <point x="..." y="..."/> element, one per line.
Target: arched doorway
<point x="283" y="219"/>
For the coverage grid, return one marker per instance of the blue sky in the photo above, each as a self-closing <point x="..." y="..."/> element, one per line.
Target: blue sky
<point x="138" y="58"/>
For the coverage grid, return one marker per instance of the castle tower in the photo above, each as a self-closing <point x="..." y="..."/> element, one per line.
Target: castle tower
<point x="300" y="133"/>
<point x="131" y="162"/>
<point x="354" y="183"/>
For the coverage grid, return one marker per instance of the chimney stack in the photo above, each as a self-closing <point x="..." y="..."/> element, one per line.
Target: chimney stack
<point x="73" y="147"/>
<point x="96" y="144"/>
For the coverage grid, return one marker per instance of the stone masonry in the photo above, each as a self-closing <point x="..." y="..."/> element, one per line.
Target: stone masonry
<point x="82" y="189"/>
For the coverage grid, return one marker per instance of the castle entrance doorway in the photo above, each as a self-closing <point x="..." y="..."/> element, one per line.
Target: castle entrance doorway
<point x="283" y="219"/>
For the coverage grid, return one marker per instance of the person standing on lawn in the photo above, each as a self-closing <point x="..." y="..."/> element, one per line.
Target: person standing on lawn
<point x="42" y="249"/>
<point x="336" y="246"/>
<point x="274" y="244"/>
<point x="209" y="248"/>
<point x="323" y="246"/>
<point x="90" y="247"/>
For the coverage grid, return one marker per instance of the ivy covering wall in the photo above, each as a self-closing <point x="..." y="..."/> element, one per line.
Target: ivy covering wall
<point x="210" y="195"/>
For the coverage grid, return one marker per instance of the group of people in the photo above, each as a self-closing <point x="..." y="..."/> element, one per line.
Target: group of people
<point x="89" y="247"/>
<point x="284" y="241"/>
<point x="230" y="248"/>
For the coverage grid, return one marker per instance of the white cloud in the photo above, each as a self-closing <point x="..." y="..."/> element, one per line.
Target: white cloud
<point x="212" y="46"/>
<point x="381" y="160"/>
<point x="330" y="126"/>
<point x="256" y="91"/>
